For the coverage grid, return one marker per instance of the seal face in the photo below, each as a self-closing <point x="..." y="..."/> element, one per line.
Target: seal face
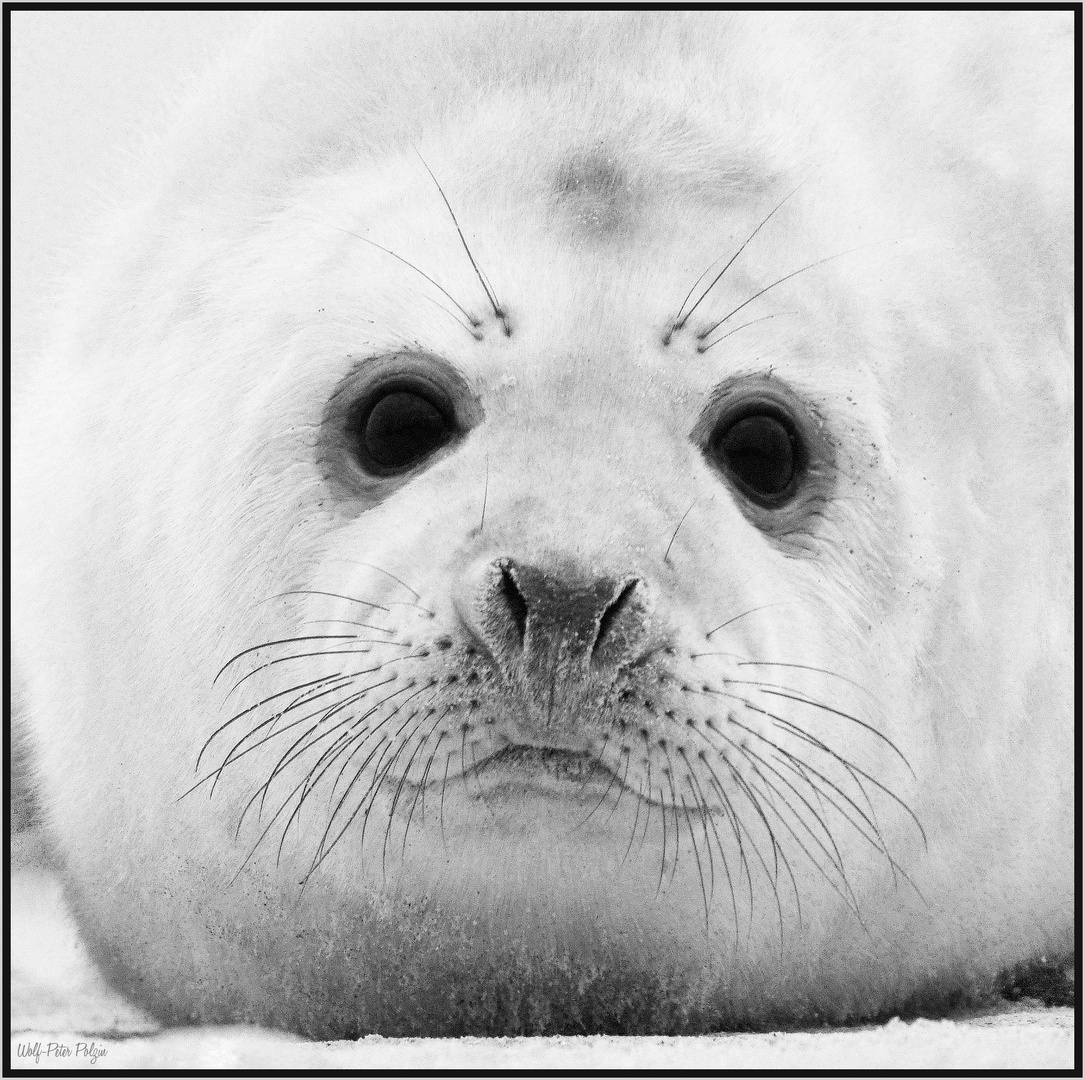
<point x="525" y="559"/>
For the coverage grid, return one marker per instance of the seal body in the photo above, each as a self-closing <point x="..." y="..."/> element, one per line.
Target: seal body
<point x="561" y="523"/>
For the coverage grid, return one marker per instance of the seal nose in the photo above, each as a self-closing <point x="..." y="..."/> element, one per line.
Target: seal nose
<point x="538" y="617"/>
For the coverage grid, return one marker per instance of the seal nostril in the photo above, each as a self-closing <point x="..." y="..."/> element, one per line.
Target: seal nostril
<point x="515" y="602"/>
<point x="616" y="606"/>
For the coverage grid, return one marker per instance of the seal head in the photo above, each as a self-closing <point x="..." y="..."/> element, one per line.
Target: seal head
<point x="551" y="526"/>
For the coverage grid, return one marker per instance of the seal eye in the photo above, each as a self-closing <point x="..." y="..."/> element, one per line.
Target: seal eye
<point x="761" y="453"/>
<point x="401" y="428"/>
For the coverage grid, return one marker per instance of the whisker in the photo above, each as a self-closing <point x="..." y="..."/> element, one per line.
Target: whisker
<point x="633" y="831"/>
<point x="753" y="760"/>
<point x="499" y="314"/>
<point x="282" y="641"/>
<point x="621" y="788"/>
<point x="321" y="592"/>
<point x="420" y="790"/>
<point x="838" y="860"/>
<point x="677" y="527"/>
<point x="395" y="802"/>
<point x="834" y="857"/>
<point x="599" y="756"/>
<point x="734" y="821"/>
<point x="369" y="797"/>
<point x="444" y="785"/>
<point x="452" y="315"/>
<point x="779" y="281"/>
<point x="350" y="622"/>
<point x="419" y="795"/>
<point x="485" y="494"/>
<point x="328" y="652"/>
<point x="806" y="667"/>
<point x="683" y="319"/>
<point x="477" y="773"/>
<point x="679" y="322"/>
<point x="270" y="825"/>
<point x="669" y="773"/>
<point x="648" y="801"/>
<point x="345" y="737"/>
<point x="767" y="688"/>
<point x="663" y="856"/>
<point x="471" y="319"/>
<point x="602" y="799"/>
<point x="386" y="573"/>
<point x="844" y="763"/>
<point x="727" y="873"/>
<point x="402" y="780"/>
<point x="464" y="728"/>
<point x="366" y="733"/>
<point x="308" y="782"/>
<point x="700" y="803"/>
<point x="763" y="607"/>
<point x="233" y="755"/>
<point x="737" y="827"/>
<point x="333" y="753"/>
<point x="312" y="683"/>
<point x="322" y="851"/>
<point x="852" y="767"/>
<point x="703" y="348"/>
<point x="803" y="770"/>
<point x="778" y="853"/>
<point x="697" y="859"/>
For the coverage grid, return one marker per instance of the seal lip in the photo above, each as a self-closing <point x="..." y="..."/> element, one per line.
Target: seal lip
<point x="571" y="776"/>
<point x="525" y="771"/>
<point x="565" y="774"/>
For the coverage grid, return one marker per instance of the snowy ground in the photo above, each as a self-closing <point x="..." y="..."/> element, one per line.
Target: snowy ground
<point x="61" y="1009"/>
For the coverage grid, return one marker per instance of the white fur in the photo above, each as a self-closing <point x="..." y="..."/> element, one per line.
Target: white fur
<point x="167" y="481"/>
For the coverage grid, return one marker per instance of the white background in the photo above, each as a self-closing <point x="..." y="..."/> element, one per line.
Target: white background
<point x="83" y="83"/>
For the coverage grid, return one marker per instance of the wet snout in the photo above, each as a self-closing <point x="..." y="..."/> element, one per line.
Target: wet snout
<point x="557" y="634"/>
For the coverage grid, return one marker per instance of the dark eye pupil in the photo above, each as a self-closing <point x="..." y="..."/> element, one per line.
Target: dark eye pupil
<point x="402" y="428"/>
<point x="759" y="451"/>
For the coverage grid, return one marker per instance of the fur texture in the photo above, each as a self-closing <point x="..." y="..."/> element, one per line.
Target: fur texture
<point x="180" y="498"/>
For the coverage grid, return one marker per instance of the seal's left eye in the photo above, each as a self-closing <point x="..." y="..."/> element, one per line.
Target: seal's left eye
<point x="772" y="449"/>
<point x="401" y="429"/>
<point x="759" y="450"/>
<point x="762" y="454"/>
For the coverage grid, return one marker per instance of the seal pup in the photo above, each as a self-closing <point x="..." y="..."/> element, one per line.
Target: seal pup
<point x="561" y="523"/>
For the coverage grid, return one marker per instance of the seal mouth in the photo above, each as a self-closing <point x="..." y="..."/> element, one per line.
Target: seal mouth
<point x="567" y="774"/>
<point x="519" y="770"/>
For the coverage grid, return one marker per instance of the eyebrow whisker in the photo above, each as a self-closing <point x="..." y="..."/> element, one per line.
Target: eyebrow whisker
<point x="713" y="344"/>
<point x="471" y="319"/>
<point x="499" y="313"/>
<point x="681" y="320"/>
<point x="779" y="281"/>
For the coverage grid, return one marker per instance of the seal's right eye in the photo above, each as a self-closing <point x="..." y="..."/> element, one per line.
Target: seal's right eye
<point x="391" y="418"/>
<point x="400" y="429"/>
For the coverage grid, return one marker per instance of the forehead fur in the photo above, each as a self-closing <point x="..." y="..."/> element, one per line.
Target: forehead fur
<point x="314" y="88"/>
<point x="611" y="120"/>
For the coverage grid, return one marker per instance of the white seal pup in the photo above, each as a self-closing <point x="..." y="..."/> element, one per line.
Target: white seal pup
<point x="562" y="523"/>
